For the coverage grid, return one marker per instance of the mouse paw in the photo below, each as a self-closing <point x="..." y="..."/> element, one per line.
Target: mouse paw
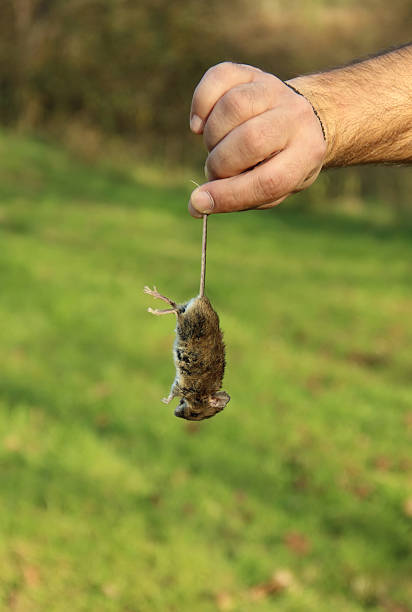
<point x="149" y="291"/>
<point x="158" y="296"/>
<point x="166" y="400"/>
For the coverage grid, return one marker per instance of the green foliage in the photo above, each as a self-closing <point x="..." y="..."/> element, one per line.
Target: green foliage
<point x="100" y="75"/>
<point x="108" y="502"/>
<point x="129" y="68"/>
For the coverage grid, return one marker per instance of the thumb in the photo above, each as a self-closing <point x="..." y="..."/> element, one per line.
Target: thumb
<point x="264" y="184"/>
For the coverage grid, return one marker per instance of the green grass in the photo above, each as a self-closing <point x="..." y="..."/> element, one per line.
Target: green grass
<point x="107" y="501"/>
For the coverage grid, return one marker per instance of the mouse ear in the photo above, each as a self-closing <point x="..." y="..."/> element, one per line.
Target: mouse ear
<point x="219" y="400"/>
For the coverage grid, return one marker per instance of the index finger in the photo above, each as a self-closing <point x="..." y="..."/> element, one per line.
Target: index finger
<point x="213" y="85"/>
<point x="268" y="182"/>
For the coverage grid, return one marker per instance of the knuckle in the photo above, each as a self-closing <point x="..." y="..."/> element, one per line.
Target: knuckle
<point x="215" y="165"/>
<point x="210" y="72"/>
<point x="240" y="101"/>
<point x="222" y="69"/>
<point x="226" y="65"/>
<point x="214" y="74"/>
<point x="253" y="139"/>
<point x="209" y="174"/>
<point x="209" y="167"/>
<point x="266" y="188"/>
<point x="246" y="94"/>
<point x="208" y="135"/>
<point x="275" y="185"/>
<point x="232" y="103"/>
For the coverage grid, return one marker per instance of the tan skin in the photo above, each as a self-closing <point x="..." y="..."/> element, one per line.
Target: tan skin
<point x="265" y="141"/>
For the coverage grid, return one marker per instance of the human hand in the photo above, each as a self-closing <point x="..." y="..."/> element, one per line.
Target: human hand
<point x="264" y="140"/>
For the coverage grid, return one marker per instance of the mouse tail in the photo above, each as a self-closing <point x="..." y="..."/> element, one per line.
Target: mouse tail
<point x="203" y="261"/>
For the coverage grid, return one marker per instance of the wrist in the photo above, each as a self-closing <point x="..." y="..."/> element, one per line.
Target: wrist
<point x="311" y="89"/>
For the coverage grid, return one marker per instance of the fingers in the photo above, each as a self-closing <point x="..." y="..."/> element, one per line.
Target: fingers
<point x="263" y="186"/>
<point x="271" y="204"/>
<point x="247" y="145"/>
<point x="264" y="140"/>
<point x="305" y="183"/>
<point x="216" y="82"/>
<point x="237" y="106"/>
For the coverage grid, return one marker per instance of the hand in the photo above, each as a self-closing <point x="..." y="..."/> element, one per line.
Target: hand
<point x="264" y="140"/>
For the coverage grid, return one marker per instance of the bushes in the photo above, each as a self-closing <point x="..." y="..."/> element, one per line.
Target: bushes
<point x="128" y="69"/>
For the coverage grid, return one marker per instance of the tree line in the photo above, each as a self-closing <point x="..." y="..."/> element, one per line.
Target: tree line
<point x="127" y="68"/>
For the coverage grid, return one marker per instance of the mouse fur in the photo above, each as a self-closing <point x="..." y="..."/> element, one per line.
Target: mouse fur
<point x="199" y="357"/>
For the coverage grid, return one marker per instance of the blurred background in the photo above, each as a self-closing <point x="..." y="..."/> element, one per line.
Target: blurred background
<point x="299" y="495"/>
<point x="99" y="75"/>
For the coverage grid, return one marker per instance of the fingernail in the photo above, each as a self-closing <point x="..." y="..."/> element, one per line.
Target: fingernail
<point x="202" y="201"/>
<point x="196" y="124"/>
<point x="194" y="212"/>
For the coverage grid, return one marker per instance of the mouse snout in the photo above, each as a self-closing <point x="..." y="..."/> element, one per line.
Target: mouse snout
<point x="180" y="411"/>
<point x="185" y="411"/>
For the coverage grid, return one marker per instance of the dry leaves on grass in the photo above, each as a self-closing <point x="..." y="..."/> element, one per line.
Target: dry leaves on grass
<point x="407" y="507"/>
<point x="224" y="601"/>
<point x="31" y="576"/>
<point x="383" y="463"/>
<point x="111" y="590"/>
<point x="281" y="580"/>
<point x="297" y="542"/>
<point x="392" y="606"/>
<point x="408" y="421"/>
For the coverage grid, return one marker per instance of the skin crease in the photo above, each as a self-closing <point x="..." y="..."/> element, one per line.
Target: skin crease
<point x="265" y="141"/>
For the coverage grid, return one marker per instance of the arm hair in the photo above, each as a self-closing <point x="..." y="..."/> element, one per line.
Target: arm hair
<point x="365" y="107"/>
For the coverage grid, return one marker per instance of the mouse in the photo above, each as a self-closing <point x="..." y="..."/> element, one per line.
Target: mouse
<point x="198" y="352"/>
<point x="199" y="357"/>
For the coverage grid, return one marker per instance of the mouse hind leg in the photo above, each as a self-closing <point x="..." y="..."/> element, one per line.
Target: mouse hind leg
<point x="156" y="311"/>
<point x="154" y="293"/>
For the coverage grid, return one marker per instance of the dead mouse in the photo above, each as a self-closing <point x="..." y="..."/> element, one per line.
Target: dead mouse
<point x="199" y="353"/>
<point x="199" y="356"/>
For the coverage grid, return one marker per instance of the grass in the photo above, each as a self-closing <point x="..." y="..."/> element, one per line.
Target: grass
<point x="297" y="497"/>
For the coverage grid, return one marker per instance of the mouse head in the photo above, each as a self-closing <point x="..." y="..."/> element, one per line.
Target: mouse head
<point x="204" y="410"/>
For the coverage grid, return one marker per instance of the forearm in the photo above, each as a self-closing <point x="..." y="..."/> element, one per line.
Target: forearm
<point x="366" y="109"/>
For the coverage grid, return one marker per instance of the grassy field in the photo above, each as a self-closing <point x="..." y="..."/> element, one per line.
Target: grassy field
<point x="298" y="497"/>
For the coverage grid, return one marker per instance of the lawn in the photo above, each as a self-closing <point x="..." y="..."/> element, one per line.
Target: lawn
<point x="298" y="497"/>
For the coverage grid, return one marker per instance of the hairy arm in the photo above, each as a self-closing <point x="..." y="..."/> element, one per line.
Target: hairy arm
<point x="265" y="141"/>
<point x="366" y="109"/>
